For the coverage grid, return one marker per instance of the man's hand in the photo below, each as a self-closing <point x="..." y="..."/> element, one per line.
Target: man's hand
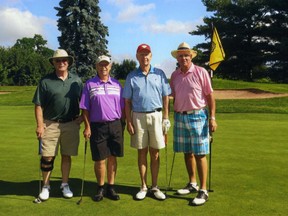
<point x="166" y="126"/>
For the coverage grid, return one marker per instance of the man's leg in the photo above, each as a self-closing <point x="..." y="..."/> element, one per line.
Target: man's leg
<point x="111" y="169"/>
<point x="202" y="195"/>
<point x="47" y="164"/>
<point x="154" y="165"/>
<point x="111" y="175"/>
<point x="100" y="171"/>
<point x="142" y="166"/>
<point x="65" y="168"/>
<point x="202" y="170"/>
<point x="190" y="167"/>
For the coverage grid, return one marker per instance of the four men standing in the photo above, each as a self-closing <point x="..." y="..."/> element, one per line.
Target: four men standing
<point x="146" y="93"/>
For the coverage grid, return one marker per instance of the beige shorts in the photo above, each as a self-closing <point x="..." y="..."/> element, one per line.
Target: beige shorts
<point x="65" y="135"/>
<point x="148" y="130"/>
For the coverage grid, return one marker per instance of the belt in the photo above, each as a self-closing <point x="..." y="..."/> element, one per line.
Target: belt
<point x="189" y="112"/>
<point x="156" y="110"/>
<point x="65" y="120"/>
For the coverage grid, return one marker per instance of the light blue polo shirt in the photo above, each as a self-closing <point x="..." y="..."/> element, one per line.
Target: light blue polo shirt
<point x="146" y="92"/>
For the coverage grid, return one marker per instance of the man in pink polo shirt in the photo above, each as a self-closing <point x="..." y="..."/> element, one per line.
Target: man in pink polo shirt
<point x="194" y="118"/>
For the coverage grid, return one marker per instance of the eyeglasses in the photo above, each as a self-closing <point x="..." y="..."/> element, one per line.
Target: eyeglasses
<point x="61" y="60"/>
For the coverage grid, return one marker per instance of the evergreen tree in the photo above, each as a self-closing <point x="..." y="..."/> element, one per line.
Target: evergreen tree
<point x="82" y="33"/>
<point x="254" y="37"/>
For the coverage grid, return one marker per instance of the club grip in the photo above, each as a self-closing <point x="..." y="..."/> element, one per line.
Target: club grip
<point x="39" y="147"/>
<point x="85" y="147"/>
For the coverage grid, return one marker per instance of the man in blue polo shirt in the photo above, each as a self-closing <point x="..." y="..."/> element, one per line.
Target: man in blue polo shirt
<point x="146" y="93"/>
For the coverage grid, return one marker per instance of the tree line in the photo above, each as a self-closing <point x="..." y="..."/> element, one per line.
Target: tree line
<point x="26" y="62"/>
<point x="254" y="34"/>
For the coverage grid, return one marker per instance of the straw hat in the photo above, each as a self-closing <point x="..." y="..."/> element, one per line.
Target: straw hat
<point x="61" y="53"/>
<point x="183" y="47"/>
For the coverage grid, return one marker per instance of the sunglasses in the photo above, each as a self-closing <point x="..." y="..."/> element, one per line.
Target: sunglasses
<point x="61" y="60"/>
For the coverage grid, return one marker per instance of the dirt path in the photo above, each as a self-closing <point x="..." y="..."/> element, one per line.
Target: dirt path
<point x="234" y="94"/>
<point x="245" y="94"/>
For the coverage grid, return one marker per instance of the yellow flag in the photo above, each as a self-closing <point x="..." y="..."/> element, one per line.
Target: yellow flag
<point x="217" y="54"/>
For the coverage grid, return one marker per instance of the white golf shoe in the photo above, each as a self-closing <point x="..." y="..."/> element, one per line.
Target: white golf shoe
<point x="201" y="198"/>
<point x="158" y="194"/>
<point x="44" y="195"/>
<point x="141" y="194"/>
<point x="67" y="193"/>
<point x="189" y="188"/>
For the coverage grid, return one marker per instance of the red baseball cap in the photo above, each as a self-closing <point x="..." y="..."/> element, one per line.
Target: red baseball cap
<point x="143" y="47"/>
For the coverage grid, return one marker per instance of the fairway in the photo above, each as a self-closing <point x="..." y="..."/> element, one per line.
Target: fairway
<point x="249" y="174"/>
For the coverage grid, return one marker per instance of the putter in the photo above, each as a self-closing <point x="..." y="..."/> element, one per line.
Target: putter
<point x="38" y="200"/>
<point x="82" y="187"/>
<point x="210" y="163"/>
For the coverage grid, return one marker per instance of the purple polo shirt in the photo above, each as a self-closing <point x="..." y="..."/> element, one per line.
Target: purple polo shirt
<point x="103" y="100"/>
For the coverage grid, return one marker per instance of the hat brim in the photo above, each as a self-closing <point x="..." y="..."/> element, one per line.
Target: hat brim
<point x="193" y="53"/>
<point x="70" y="60"/>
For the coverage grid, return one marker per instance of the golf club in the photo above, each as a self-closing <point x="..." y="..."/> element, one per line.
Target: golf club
<point x="38" y="200"/>
<point x="169" y="188"/>
<point x="82" y="187"/>
<point x="210" y="163"/>
<point x="166" y="142"/>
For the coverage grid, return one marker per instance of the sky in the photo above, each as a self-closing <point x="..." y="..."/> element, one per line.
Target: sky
<point x="163" y="24"/>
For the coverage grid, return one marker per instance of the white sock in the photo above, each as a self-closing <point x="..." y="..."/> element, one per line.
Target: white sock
<point x="64" y="184"/>
<point x="205" y="191"/>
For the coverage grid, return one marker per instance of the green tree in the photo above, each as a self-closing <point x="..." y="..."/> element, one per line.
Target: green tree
<point x="3" y="67"/>
<point x="36" y="44"/>
<point x="82" y="33"/>
<point x="120" y="71"/>
<point x="253" y="34"/>
<point x="26" y="62"/>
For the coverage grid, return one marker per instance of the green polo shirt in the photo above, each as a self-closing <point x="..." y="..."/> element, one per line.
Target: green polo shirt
<point x="59" y="98"/>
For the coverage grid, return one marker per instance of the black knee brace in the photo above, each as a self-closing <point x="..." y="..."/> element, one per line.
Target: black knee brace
<point x="47" y="165"/>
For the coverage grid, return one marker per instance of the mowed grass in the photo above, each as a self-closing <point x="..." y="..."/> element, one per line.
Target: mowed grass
<point x="249" y="173"/>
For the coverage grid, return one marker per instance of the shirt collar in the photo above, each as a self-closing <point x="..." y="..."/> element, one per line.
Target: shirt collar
<point x="152" y="70"/>
<point x="99" y="80"/>
<point x="190" y="70"/>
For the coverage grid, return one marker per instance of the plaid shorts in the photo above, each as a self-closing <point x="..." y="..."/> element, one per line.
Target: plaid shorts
<point x="191" y="132"/>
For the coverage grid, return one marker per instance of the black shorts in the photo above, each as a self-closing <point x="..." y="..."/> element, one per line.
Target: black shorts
<point x="106" y="140"/>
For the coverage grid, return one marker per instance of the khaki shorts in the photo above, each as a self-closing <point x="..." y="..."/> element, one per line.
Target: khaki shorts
<point x="65" y="135"/>
<point x="148" y="130"/>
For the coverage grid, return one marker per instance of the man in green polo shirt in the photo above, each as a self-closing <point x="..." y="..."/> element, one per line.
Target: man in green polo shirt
<point x="57" y="112"/>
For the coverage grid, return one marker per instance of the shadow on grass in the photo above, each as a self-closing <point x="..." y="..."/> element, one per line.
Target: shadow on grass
<point x="32" y="188"/>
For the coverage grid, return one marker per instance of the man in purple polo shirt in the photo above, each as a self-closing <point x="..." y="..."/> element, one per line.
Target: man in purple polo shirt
<point x="103" y="111"/>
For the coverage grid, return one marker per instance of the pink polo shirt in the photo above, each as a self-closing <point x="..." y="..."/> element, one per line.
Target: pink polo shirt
<point x="190" y="89"/>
